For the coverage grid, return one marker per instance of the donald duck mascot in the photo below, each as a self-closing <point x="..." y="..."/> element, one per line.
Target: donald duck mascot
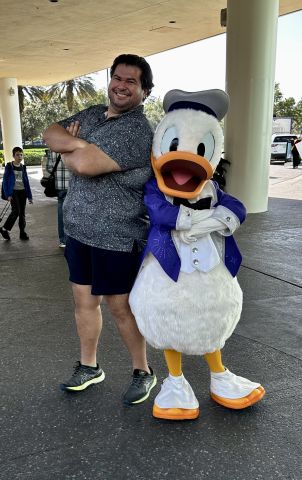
<point x="186" y="298"/>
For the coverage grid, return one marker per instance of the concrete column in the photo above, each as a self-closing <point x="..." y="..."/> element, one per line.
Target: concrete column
<point x="10" y="116"/>
<point x="250" y="75"/>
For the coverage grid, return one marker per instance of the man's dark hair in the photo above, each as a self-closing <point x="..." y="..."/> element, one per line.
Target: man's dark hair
<point x="136" y="61"/>
<point x="17" y="149"/>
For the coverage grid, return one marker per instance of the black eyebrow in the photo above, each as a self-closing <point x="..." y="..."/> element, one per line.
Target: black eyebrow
<point x="127" y="79"/>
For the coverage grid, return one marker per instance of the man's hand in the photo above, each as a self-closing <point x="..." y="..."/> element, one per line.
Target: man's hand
<point x="74" y="128"/>
<point x="90" y="161"/>
<point x="63" y="140"/>
<point x="30" y="201"/>
<point x="78" y="155"/>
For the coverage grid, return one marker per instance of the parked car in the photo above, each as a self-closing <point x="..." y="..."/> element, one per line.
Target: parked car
<point x="281" y="147"/>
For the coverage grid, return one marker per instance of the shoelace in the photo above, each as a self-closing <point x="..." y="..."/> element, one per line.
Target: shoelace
<point x="137" y="380"/>
<point x="77" y="367"/>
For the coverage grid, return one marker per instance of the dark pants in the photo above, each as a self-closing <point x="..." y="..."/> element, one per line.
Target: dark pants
<point x="61" y="197"/>
<point x="296" y="159"/>
<point x="18" y="204"/>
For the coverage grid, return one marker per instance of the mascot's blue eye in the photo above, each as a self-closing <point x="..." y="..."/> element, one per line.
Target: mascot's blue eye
<point x="207" y="146"/>
<point x="169" y="141"/>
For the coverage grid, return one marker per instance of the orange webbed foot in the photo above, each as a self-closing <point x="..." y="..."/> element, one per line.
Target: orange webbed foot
<point x="240" y="403"/>
<point x="175" y="413"/>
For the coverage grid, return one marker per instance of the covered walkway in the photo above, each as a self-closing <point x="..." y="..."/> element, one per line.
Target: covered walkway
<point x="48" y="435"/>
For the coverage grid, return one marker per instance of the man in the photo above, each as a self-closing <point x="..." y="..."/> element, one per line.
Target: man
<point x="62" y="176"/>
<point x="108" y="151"/>
<point x="16" y="190"/>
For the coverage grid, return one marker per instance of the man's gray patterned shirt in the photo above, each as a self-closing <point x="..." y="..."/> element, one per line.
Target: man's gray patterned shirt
<point x="107" y="211"/>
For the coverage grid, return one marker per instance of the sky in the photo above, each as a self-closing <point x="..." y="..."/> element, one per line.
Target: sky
<point x="178" y="68"/>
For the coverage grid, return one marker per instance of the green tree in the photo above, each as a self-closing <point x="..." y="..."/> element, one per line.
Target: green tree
<point x="297" y="123"/>
<point x="278" y="94"/>
<point x="154" y="110"/>
<point x="100" y="98"/>
<point x="287" y="107"/>
<point x="81" y="88"/>
<point x="31" y="93"/>
<point x="38" y="114"/>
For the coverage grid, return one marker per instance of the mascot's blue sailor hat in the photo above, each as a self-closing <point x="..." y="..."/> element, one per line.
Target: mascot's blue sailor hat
<point x="214" y="102"/>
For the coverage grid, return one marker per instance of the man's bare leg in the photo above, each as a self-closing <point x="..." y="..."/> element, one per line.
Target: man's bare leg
<point x="143" y="378"/>
<point x="88" y="318"/>
<point x="89" y="325"/>
<point x="126" y="324"/>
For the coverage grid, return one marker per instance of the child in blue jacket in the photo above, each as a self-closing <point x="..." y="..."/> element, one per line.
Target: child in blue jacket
<point x="16" y="190"/>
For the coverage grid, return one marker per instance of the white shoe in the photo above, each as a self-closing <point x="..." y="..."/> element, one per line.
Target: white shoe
<point x="176" y="392"/>
<point x="228" y="385"/>
<point x="62" y="245"/>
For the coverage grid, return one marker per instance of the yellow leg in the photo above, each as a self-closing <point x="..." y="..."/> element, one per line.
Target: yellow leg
<point x="214" y="361"/>
<point x="173" y="360"/>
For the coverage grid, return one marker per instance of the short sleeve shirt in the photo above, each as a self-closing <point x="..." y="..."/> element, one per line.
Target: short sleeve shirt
<point x="107" y="211"/>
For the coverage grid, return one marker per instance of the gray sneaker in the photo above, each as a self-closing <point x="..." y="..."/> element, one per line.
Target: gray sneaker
<point x="82" y="377"/>
<point x="140" y="387"/>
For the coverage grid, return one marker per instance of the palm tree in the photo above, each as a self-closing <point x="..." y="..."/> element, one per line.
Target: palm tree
<point x="31" y="92"/>
<point x="82" y="87"/>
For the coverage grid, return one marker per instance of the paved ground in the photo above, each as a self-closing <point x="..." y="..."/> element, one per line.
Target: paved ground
<point x="48" y="435"/>
<point x="285" y="181"/>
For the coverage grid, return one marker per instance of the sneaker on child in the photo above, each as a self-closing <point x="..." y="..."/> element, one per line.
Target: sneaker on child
<point x="4" y="233"/>
<point x="24" y="236"/>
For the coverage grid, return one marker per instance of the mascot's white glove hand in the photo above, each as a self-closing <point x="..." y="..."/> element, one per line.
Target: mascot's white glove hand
<point x="201" y="225"/>
<point x="200" y="215"/>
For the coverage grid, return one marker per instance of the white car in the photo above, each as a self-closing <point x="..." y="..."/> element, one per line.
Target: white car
<point x="281" y="147"/>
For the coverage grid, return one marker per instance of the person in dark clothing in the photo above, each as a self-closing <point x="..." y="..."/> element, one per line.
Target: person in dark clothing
<point x="16" y="190"/>
<point x="295" y="153"/>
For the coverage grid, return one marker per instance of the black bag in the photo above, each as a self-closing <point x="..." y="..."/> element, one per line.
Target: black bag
<point x="49" y="183"/>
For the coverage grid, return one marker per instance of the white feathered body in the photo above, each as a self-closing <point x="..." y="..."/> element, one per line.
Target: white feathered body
<point x="194" y="315"/>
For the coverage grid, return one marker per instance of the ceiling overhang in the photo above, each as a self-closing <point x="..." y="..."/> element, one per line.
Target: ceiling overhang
<point x="45" y="42"/>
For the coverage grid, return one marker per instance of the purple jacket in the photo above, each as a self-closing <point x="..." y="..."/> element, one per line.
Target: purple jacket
<point x="163" y="216"/>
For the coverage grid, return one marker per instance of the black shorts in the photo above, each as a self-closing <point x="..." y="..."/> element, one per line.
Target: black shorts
<point x="107" y="271"/>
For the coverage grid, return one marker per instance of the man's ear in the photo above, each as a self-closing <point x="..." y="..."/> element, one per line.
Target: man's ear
<point x="146" y="94"/>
